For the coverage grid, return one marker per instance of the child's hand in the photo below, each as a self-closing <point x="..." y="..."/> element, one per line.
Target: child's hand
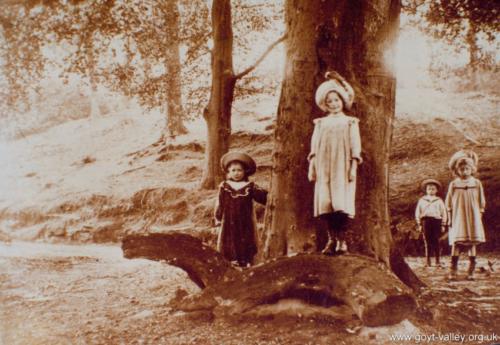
<point x="216" y="223"/>
<point x="443" y="229"/>
<point x="311" y="173"/>
<point x="419" y="228"/>
<point x="353" y="170"/>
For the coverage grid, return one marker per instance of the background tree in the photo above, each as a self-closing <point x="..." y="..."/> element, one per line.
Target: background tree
<point x="131" y="47"/>
<point x="22" y="60"/>
<point x="134" y="47"/>
<point x="217" y="114"/>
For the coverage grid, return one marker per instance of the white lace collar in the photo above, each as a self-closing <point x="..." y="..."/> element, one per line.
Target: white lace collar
<point x="237" y="185"/>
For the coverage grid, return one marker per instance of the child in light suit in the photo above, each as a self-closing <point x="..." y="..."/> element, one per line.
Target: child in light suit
<point x="431" y="216"/>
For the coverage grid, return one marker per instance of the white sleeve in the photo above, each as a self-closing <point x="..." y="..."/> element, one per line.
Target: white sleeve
<point x="355" y="140"/>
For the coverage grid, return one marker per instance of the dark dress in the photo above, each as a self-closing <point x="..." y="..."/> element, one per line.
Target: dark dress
<point x="237" y="238"/>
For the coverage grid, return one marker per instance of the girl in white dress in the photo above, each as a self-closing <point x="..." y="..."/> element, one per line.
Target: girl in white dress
<point x="465" y="202"/>
<point x="333" y="160"/>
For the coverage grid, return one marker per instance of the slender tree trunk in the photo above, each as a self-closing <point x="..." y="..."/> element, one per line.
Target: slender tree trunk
<point x="474" y="52"/>
<point x="355" y="38"/>
<point x="175" y="125"/>
<point x="92" y="89"/>
<point x="94" y="103"/>
<point x="217" y="114"/>
<point x="471" y="40"/>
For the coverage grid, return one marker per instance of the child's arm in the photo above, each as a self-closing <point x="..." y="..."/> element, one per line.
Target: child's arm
<point x="417" y="214"/>
<point x="447" y="202"/>
<point x="311" y="173"/>
<point x="259" y="194"/>
<point x="219" y="211"/>
<point x="355" y="139"/>
<point x="444" y="215"/>
<point x="482" y="199"/>
<point x="314" y="140"/>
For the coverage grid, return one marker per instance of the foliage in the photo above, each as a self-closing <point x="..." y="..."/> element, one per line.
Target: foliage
<point x="125" y="45"/>
<point x="460" y="22"/>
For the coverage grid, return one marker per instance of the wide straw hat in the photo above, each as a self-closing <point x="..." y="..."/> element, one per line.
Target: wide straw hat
<point x="338" y="84"/>
<point x="245" y="159"/>
<point x="459" y="155"/>
<point x="425" y="182"/>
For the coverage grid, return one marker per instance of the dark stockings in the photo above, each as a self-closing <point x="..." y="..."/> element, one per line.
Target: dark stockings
<point x="336" y="228"/>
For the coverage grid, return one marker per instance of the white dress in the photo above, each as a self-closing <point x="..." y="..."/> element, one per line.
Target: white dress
<point x="335" y="143"/>
<point x="465" y="200"/>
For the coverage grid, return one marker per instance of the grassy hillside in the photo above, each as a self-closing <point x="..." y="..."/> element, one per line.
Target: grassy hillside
<point x="96" y="180"/>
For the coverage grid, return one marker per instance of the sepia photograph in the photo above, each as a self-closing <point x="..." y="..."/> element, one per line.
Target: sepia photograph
<point x="249" y="172"/>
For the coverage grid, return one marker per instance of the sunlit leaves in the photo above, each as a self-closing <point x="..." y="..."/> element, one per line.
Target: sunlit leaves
<point x="460" y="22"/>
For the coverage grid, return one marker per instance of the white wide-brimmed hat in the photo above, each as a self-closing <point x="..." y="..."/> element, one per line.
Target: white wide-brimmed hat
<point x="338" y="84"/>
<point x="459" y="155"/>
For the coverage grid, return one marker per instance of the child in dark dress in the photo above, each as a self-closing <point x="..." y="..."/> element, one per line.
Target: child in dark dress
<point x="234" y="210"/>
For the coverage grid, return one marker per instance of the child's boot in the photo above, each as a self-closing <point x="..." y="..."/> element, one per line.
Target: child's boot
<point x="341" y="247"/>
<point x="472" y="267"/>
<point x="453" y="268"/>
<point x="438" y="261"/>
<point x="330" y="245"/>
<point x="428" y="262"/>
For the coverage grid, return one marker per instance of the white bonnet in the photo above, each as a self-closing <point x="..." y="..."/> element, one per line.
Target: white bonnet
<point x="338" y="84"/>
<point x="468" y="155"/>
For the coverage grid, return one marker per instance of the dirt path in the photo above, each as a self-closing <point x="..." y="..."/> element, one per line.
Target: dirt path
<point x="69" y="294"/>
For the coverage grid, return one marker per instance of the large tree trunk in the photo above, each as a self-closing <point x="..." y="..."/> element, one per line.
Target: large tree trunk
<point x="370" y="291"/>
<point x="175" y="125"/>
<point x="288" y="221"/>
<point x="355" y="38"/>
<point x="218" y="112"/>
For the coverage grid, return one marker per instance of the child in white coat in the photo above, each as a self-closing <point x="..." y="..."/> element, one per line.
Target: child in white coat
<point x="333" y="160"/>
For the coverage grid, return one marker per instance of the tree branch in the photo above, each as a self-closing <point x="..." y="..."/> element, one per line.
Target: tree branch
<point x="259" y="60"/>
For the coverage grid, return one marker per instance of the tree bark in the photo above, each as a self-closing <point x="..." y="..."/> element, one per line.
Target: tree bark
<point x="94" y="103"/>
<point x="204" y="265"/>
<point x="217" y="114"/>
<point x="355" y="38"/>
<point x="95" y="112"/>
<point x="288" y="221"/>
<point x="175" y="125"/>
<point x="371" y="291"/>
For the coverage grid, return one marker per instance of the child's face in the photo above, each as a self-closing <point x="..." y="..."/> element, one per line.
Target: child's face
<point x="334" y="103"/>
<point x="431" y="189"/>
<point x="236" y="171"/>
<point x="464" y="170"/>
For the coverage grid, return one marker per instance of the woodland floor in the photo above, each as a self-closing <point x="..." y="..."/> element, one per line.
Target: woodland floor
<point x="73" y="294"/>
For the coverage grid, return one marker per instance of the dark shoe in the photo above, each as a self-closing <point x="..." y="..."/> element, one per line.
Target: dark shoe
<point x="472" y="267"/>
<point x="329" y="248"/>
<point x="341" y="247"/>
<point x="453" y="268"/>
